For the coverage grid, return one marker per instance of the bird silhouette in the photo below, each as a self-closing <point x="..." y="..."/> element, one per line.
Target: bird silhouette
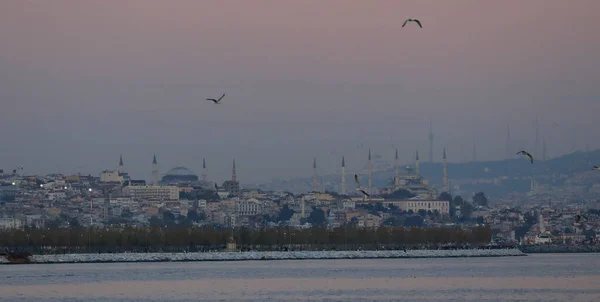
<point x="579" y="219"/>
<point x="217" y="101"/>
<point x="358" y="186"/>
<point x="363" y="191"/>
<point x="526" y="154"/>
<point x="412" y="20"/>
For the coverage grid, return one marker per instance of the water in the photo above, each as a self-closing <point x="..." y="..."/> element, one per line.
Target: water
<point x="547" y="277"/>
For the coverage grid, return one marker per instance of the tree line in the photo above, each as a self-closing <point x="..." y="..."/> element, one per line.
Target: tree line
<point x="161" y="239"/>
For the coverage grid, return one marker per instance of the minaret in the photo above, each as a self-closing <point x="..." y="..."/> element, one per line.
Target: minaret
<point x="445" y="188"/>
<point x="233" y="175"/>
<point x="396" y="176"/>
<point x="370" y="167"/>
<point x="430" y="142"/>
<point x="204" y="178"/>
<point x="120" y="169"/>
<point x="544" y="148"/>
<point x="536" y="148"/>
<point x="509" y="154"/>
<point x="417" y="163"/>
<point x="154" y="171"/>
<point x="343" y="176"/>
<point x="315" y="174"/>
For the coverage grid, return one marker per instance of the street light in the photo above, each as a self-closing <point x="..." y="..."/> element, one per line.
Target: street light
<point x="91" y="204"/>
<point x="91" y="221"/>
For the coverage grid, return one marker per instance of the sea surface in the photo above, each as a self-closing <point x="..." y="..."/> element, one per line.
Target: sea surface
<point x="537" y="277"/>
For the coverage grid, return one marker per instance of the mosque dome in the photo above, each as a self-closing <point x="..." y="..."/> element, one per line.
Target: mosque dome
<point x="179" y="174"/>
<point x="180" y="171"/>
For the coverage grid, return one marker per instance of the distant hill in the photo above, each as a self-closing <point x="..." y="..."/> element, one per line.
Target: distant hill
<point x="519" y="167"/>
<point x="517" y="170"/>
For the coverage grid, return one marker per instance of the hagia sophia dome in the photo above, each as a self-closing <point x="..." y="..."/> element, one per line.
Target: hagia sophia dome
<point x="179" y="174"/>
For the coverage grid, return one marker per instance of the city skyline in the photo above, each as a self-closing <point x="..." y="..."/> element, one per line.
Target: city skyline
<point x="82" y="82"/>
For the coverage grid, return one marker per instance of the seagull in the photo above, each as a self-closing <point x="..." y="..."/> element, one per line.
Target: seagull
<point x="578" y="218"/>
<point x="217" y="101"/>
<point x="596" y="168"/>
<point x="358" y="186"/>
<point x="526" y="154"/>
<point x="412" y="20"/>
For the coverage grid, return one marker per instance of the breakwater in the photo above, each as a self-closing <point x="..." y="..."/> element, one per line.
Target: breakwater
<point x="291" y="255"/>
<point x="561" y="248"/>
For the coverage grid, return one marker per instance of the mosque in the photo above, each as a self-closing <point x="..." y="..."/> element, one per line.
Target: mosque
<point x="177" y="176"/>
<point x="426" y="196"/>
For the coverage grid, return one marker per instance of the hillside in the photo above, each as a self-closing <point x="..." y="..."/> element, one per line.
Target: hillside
<point x="517" y="171"/>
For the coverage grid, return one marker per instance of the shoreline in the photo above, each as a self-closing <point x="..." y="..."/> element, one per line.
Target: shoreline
<point x="254" y="256"/>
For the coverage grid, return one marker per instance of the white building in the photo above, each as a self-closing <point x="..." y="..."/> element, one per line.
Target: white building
<point x="201" y="204"/>
<point x="249" y="207"/>
<point x="10" y="223"/>
<point x="415" y="205"/>
<point x="152" y="192"/>
<point x="56" y="196"/>
<point x="111" y="176"/>
<point x="125" y="202"/>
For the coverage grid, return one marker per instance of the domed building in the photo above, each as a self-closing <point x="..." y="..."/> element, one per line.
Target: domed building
<point x="179" y="174"/>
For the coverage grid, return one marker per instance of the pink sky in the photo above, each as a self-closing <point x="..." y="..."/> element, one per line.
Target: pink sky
<point x="315" y="70"/>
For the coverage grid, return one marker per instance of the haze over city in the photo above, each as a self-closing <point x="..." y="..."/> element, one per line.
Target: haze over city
<point x="83" y="82"/>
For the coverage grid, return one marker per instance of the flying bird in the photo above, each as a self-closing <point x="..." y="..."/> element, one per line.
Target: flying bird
<point x="526" y="154"/>
<point x="596" y="168"/>
<point x="412" y="20"/>
<point x="579" y="217"/>
<point x="358" y="186"/>
<point x="363" y="191"/>
<point x="217" y="101"/>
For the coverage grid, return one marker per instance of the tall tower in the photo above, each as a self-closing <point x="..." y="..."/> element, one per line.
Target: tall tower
<point x="233" y="174"/>
<point x="430" y="142"/>
<point x="154" y="171"/>
<point x="343" y="176"/>
<point x="396" y="176"/>
<point x="120" y="169"/>
<point x="509" y="154"/>
<point x="370" y="167"/>
<point x="417" y="163"/>
<point x="315" y="174"/>
<point x="536" y="148"/>
<point x="445" y="188"/>
<point x="543" y="148"/>
<point x="204" y="177"/>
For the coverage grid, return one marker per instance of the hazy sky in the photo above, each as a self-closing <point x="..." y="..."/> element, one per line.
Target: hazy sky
<point x="84" y="81"/>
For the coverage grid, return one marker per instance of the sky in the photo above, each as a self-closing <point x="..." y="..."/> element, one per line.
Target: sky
<point x="82" y="82"/>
